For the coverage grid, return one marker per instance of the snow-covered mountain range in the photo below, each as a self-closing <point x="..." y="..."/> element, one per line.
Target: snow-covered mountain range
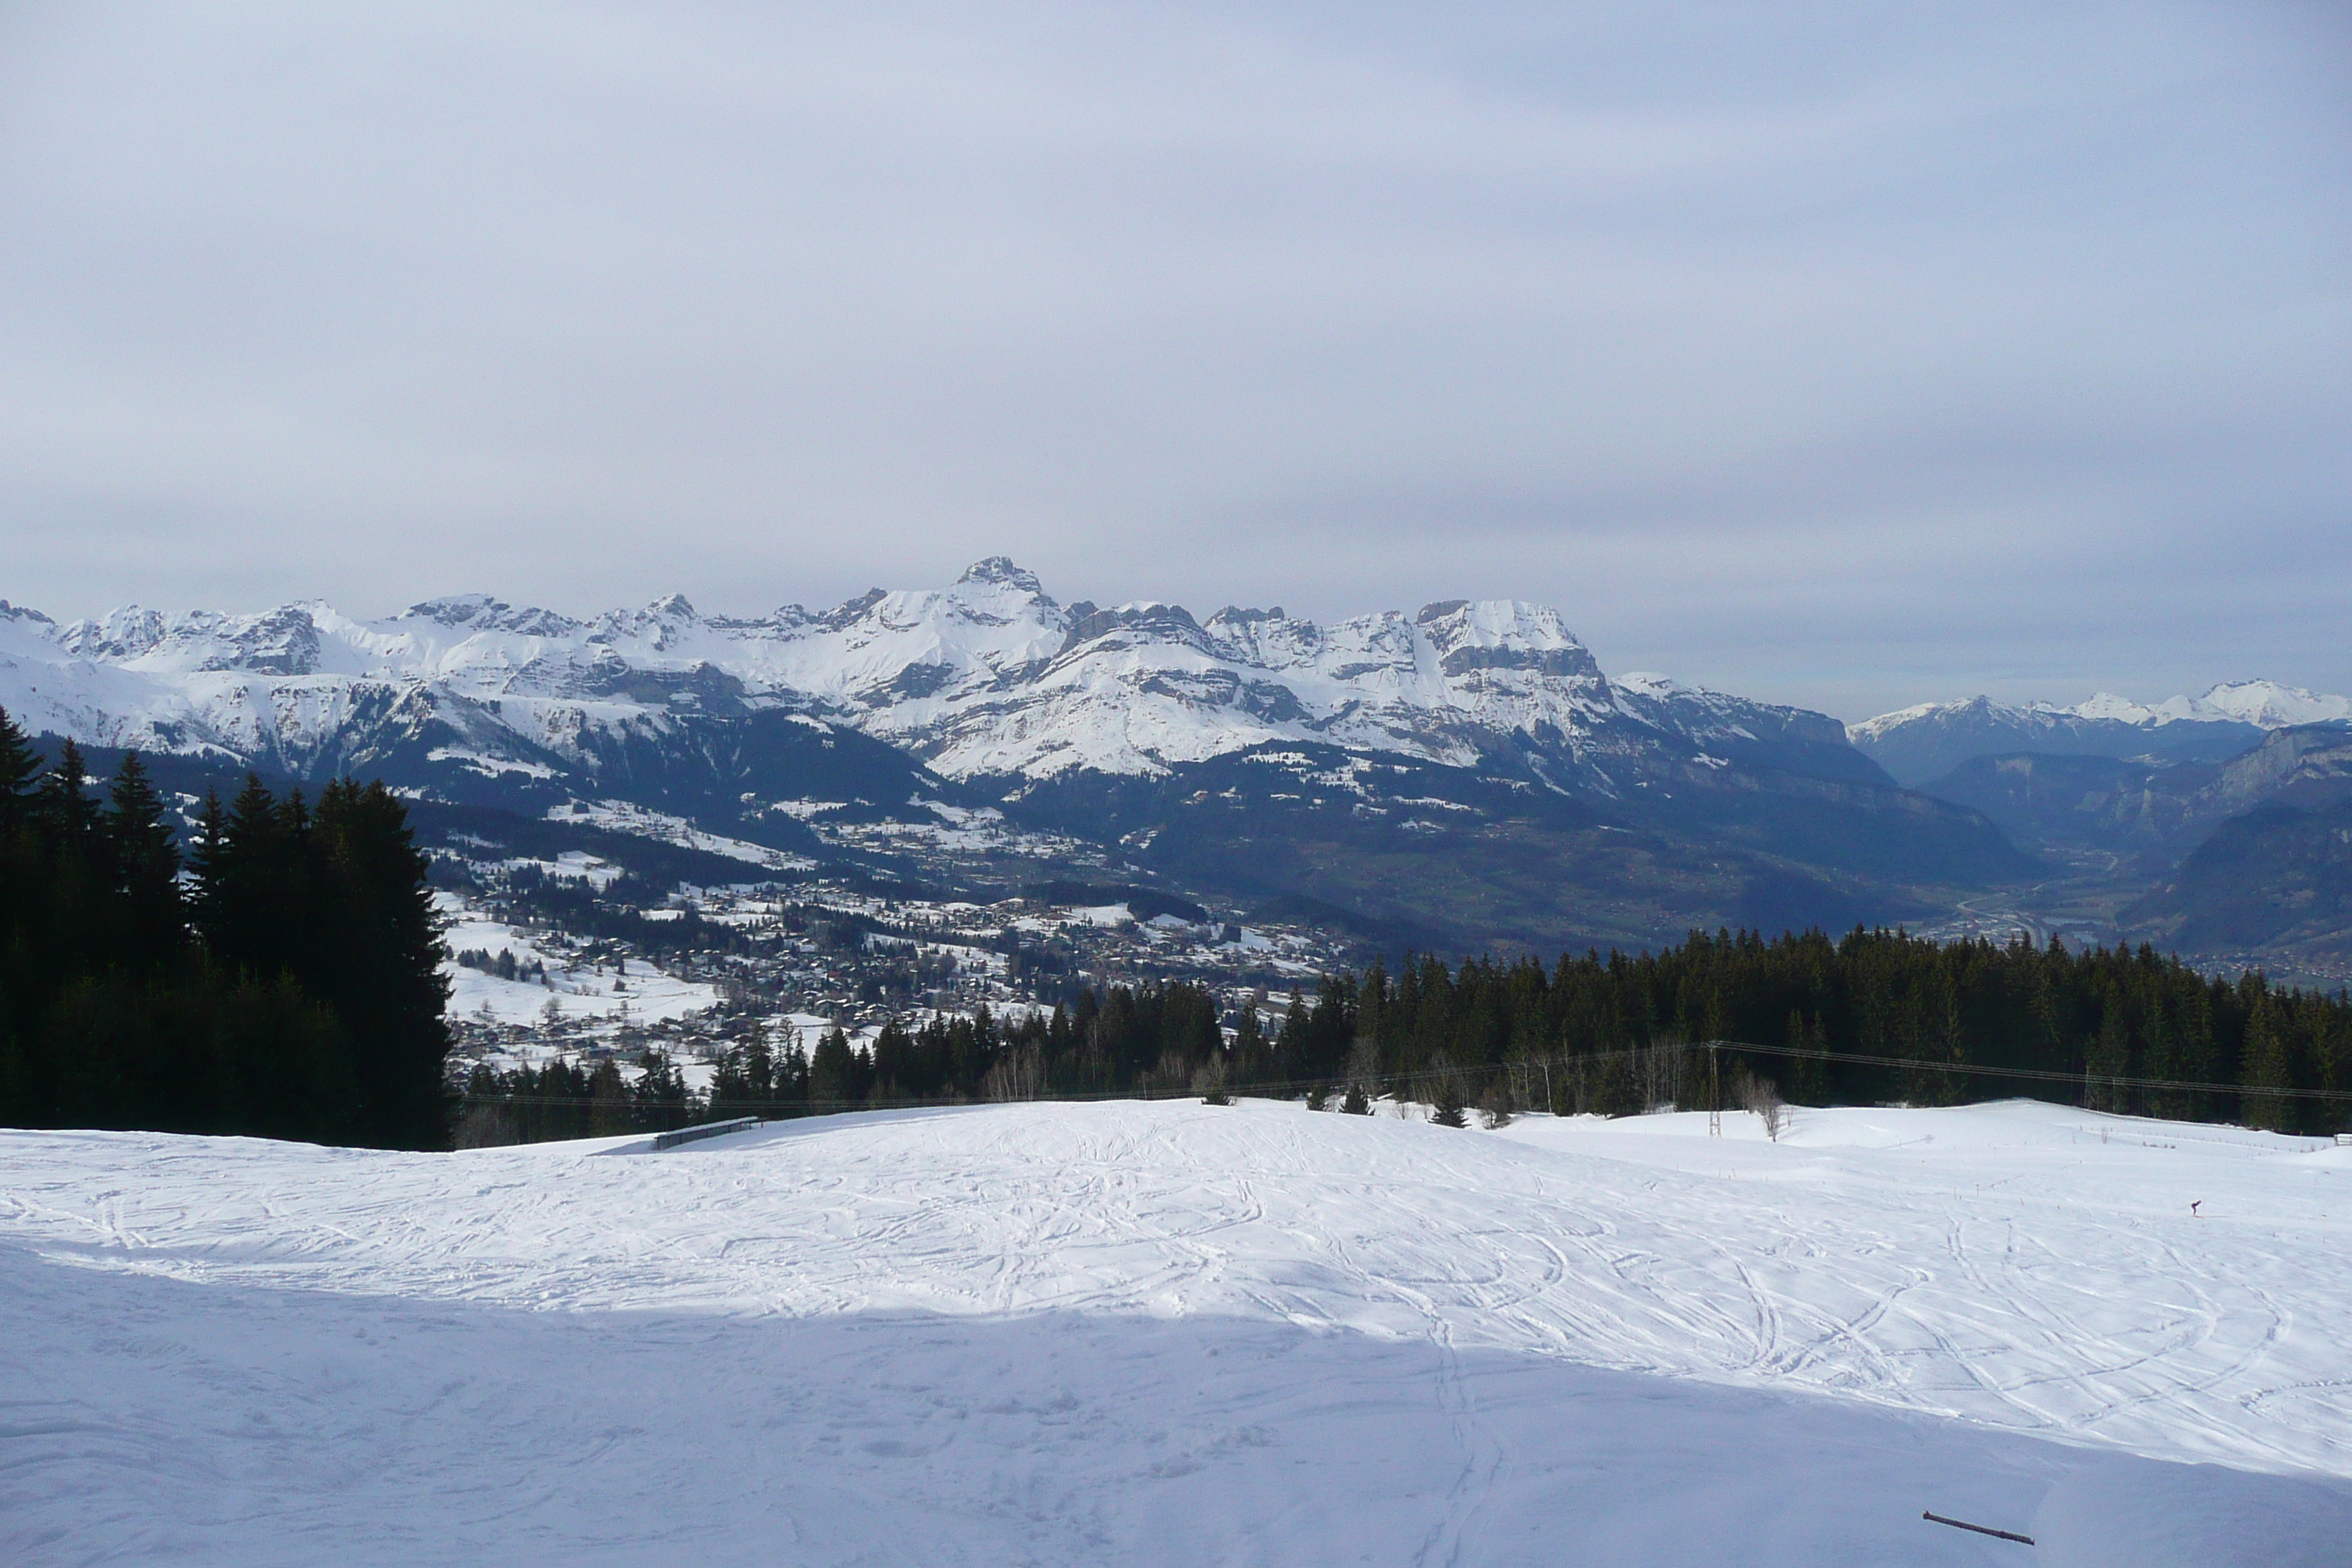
<point x="1921" y="744"/>
<point x="1465" y="772"/>
<point x="990" y="677"/>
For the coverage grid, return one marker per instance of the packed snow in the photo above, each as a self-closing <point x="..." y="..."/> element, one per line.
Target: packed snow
<point x="1174" y="1333"/>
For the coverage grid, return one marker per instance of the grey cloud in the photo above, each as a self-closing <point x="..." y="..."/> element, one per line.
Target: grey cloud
<point x="1851" y="355"/>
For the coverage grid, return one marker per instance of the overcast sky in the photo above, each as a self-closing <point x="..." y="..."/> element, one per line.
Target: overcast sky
<point x="1852" y="355"/>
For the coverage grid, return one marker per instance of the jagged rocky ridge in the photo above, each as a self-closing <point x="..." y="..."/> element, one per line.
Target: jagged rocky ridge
<point x="1463" y="774"/>
<point x="989" y="678"/>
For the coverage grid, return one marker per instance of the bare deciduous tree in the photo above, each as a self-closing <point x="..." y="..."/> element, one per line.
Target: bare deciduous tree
<point x="1364" y="1068"/>
<point x="1209" y="1080"/>
<point x="1658" y="1070"/>
<point x="483" y="1127"/>
<point x="1761" y="1096"/>
<point x="1017" y="1075"/>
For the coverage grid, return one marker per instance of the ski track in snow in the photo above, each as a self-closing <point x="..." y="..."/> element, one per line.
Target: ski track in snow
<point x="1167" y="1331"/>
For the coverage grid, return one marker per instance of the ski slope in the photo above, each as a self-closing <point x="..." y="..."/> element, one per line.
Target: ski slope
<point x="1172" y="1334"/>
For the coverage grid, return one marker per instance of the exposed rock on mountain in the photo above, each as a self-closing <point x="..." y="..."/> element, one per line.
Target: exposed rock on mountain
<point x="988" y="679"/>
<point x="2272" y="885"/>
<point x="2151" y="808"/>
<point x="1394" y="765"/>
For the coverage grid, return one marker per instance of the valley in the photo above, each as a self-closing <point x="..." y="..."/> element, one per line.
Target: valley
<point x="1464" y="778"/>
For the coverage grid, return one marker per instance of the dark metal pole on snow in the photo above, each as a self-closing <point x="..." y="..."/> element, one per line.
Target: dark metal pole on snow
<point x="1979" y="1529"/>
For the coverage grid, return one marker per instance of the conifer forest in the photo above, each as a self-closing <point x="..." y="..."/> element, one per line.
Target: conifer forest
<point x="287" y="985"/>
<point x="281" y="978"/>
<point x="1870" y="1018"/>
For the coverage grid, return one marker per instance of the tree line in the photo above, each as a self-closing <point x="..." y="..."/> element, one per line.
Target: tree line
<point x="1153" y="1039"/>
<point x="281" y="979"/>
<point x="1871" y="1017"/>
<point x="285" y="981"/>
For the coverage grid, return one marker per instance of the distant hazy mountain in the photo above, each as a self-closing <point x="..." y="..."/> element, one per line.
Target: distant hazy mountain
<point x="2272" y="885"/>
<point x="1923" y="742"/>
<point x="2149" y="807"/>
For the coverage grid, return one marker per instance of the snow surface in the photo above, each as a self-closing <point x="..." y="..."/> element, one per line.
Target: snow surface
<point x="625" y="816"/>
<point x="1172" y="1334"/>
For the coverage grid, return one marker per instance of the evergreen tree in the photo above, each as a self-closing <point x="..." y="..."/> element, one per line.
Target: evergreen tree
<point x="832" y="1071"/>
<point x="305" y="1003"/>
<point x="380" y="965"/>
<point x="19" y="766"/>
<point x="610" y="1109"/>
<point x="1253" y="1056"/>
<point x="2265" y="1067"/>
<point x="146" y="858"/>
<point x="248" y="902"/>
<point x="744" y="1081"/>
<point x="206" y="864"/>
<point x="659" y="1094"/>
<point x="1291" y="1049"/>
<point x="62" y="803"/>
<point x="2110" y="1058"/>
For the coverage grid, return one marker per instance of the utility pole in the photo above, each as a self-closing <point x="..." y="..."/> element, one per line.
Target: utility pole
<point x="1714" y="1093"/>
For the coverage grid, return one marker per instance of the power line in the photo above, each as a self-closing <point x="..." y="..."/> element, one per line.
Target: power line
<point x="2044" y="1074"/>
<point x="1385" y="1084"/>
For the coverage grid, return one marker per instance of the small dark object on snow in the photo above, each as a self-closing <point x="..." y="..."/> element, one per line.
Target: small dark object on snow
<point x="1979" y="1529"/>
<point x="2192" y="1208"/>
<point x="705" y="1130"/>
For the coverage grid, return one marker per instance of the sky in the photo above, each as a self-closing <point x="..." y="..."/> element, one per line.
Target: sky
<point x="1851" y="355"/>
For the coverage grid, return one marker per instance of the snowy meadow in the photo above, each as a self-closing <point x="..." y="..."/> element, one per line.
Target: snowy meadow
<point x="1174" y="1333"/>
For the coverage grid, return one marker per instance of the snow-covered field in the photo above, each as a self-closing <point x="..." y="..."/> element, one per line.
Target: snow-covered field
<point x="577" y="991"/>
<point x="1172" y="1334"/>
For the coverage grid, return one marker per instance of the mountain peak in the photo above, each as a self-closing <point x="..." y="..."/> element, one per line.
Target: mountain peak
<point x="457" y="609"/>
<point x="986" y="677"/>
<point x="2109" y="705"/>
<point x="1496" y="623"/>
<point x="485" y="612"/>
<point x="2273" y="706"/>
<point x="998" y="570"/>
<point x="1492" y="635"/>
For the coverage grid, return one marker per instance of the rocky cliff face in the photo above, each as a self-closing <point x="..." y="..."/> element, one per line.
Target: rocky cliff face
<point x="1465" y="774"/>
<point x="989" y="677"/>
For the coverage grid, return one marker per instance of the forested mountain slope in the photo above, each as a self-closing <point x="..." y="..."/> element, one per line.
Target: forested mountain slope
<point x="1467" y="773"/>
